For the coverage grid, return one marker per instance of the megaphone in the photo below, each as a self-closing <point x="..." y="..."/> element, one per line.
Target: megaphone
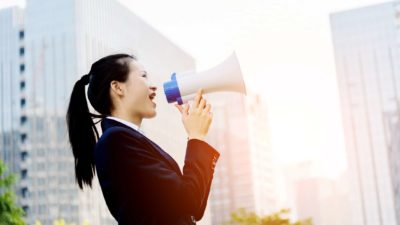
<point x="226" y="76"/>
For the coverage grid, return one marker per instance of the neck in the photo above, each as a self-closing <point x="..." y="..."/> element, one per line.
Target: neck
<point x="137" y="120"/>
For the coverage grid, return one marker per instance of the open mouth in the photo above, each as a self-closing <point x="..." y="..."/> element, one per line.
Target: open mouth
<point x="152" y="97"/>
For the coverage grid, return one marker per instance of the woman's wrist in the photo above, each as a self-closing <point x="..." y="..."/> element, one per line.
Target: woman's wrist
<point x="196" y="137"/>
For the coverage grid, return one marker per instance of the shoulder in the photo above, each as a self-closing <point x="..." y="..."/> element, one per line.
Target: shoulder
<point x="119" y="135"/>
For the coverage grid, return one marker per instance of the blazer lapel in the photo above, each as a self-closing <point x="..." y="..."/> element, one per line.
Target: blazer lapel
<point x="165" y="155"/>
<point x="107" y="123"/>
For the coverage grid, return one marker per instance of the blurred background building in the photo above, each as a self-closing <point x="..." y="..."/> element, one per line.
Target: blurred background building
<point x="12" y="85"/>
<point x="307" y="193"/>
<point x="320" y="199"/>
<point x="393" y="127"/>
<point x="367" y="54"/>
<point x="244" y="177"/>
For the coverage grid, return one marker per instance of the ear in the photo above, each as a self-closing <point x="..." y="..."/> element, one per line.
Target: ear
<point x="117" y="87"/>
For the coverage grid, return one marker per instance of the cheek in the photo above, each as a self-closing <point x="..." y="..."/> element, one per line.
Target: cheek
<point x="138" y="93"/>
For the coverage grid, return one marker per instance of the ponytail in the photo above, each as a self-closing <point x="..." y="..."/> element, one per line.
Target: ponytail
<point x="82" y="131"/>
<point x="81" y="135"/>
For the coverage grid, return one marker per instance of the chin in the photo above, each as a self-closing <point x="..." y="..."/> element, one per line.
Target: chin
<point x="151" y="114"/>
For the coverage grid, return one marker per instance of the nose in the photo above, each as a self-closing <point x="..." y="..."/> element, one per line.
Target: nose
<point x="151" y="85"/>
<point x="153" y="88"/>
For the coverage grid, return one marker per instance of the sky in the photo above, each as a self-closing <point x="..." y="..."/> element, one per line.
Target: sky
<point x="286" y="54"/>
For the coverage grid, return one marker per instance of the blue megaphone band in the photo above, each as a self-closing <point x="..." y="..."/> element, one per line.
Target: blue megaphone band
<point x="171" y="90"/>
<point x="179" y="100"/>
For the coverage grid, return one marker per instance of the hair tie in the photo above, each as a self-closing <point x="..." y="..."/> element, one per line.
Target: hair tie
<point x="85" y="79"/>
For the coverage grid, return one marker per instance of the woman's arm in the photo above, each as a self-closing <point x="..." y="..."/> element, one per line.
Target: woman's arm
<point x="147" y="180"/>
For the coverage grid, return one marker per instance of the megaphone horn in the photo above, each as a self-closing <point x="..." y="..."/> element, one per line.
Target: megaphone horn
<point x="226" y="76"/>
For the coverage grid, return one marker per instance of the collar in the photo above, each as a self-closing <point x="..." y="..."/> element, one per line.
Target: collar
<point x="127" y="123"/>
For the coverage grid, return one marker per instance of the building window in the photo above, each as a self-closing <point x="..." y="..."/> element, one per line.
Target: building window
<point x="23" y="102"/>
<point x="24" y="192"/>
<point x="23" y="138"/>
<point x="23" y="120"/>
<point x="25" y="208"/>
<point x="22" y="85"/>
<point x="24" y="155"/>
<point x="24" y="173"/>
<point x="22" y="68"/>
<point x="21" y="51"/>
<point x="21" y="34"/>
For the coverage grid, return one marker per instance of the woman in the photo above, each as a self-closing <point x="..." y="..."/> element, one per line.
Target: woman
<point x="140" y="182"/>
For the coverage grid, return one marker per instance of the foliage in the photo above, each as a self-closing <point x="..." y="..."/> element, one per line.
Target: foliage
<point x="10" y="212"/>
<point x="244" y="217"/>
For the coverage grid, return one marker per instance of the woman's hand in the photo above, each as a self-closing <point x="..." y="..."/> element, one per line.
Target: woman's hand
<point x="197" y="120"/>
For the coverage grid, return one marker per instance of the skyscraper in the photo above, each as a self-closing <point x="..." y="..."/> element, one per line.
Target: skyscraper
<point x="320" y="199"/>
<point x="244" y="175"/>
<point x="12" y="84"/>
<point x="263" y="166"/>
<point x="366" y="43"/>
<point x="393" y="126"/>
<point x="41" y="58"/>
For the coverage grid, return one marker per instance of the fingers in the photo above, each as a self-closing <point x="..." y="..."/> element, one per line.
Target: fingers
<point x="202" y="104"/>
<point x="199" y="105"/>
<point x="183" y="110"/>
<point x="198" y="97"/>
<point x="207" y="112"/>
<point x="208" y="108"/>
<point x="179" y="107"/>
<point x="186" y="109"/>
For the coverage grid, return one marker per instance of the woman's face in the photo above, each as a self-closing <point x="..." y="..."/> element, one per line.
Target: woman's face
<point x="139" y="93"/>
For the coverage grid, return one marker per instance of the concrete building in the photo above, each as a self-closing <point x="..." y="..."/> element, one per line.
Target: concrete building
<point x="366" y="48"/>
<point x="263" y="165"/>
<point x="393" y="128"/>
<point x="244" y="175"/>
<point x="12" y="84"/>
<point x="321" y="199"/>
<point x="54" y="46"/>
<point x="309" y="194"/>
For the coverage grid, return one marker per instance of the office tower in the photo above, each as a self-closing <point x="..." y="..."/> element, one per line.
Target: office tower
<point x="244" y="174"/>
<point x="367" y="54"/>
<point x="321" y="199"/>
<point x="12" y="86"/>
<point x="60" y="41"/>
<point x="308" y="193"/>
<point x="393" y="127"/>
<point x="263" y="165"/>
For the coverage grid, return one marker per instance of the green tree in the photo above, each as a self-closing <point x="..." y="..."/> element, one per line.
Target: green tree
<point x="244" y="217"/>
<point x="10" y="213"/>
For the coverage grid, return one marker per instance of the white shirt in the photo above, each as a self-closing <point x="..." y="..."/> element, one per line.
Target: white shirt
<point x="129" y="124"/>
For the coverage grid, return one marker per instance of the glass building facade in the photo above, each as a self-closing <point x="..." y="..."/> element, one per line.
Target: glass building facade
<point x="366" y="44"/>
<point x="244" y="177"/>
<point x="12" y="87"/>
<point x="393" y="125"/>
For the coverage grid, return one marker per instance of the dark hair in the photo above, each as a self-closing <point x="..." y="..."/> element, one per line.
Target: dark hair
<point x="82" y="131"/>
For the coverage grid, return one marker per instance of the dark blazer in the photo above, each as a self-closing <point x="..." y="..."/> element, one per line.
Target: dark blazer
<point x="142" y="184"/>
